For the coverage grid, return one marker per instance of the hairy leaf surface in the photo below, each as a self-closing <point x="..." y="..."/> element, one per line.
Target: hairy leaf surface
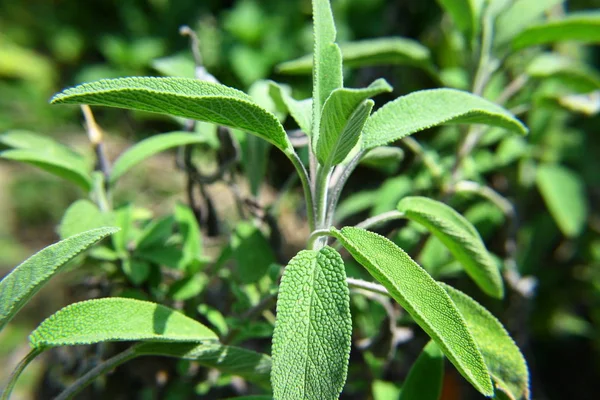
<point x="421" y="296"/>
<point x="27" y="279"/>
<point x="425" y="378"/>
<point x="311" y="342"/>
<point x="581" y="26"/>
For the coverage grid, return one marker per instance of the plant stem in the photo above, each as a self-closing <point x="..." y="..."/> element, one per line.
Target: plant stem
<point x="17" y="372"/>
<point x="380" y="219"/>
<point x="338" y="181"/>
<point x="321" y="192"/>
<point x="308" y="195"/>
<point x="368" y="286"/>
<point x="487" y="192"/>
<point x="430" y="164"/>
<point x="314" y="236"/>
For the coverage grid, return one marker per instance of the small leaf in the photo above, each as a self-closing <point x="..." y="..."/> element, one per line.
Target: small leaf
<point x="465" y="13"/>
<point x="81" y="216"/>
<point x="425" y="378"/>
<point x="421" y="296"/>
<point x="564" y="194"/>
<point x="581" y="26"/>
<point x="428" y="108"/>
<point x="460" y="237"/>
<point x="502" y="356"/>
<point x="26" y="280"/>
<point x="344" y="115"/>
<point x="117" y="319"/>
<point x="518" y="16"/>
<point x="181" y="97"/>
<point x="251" y="251"/>
<point x="149" y="147"/>
<point x="311" y="342"/>
<point x="579" y="77"/>
<point x="385" y="158"/>
<point x="300" y="110"/>
<point x="192" y="238"/>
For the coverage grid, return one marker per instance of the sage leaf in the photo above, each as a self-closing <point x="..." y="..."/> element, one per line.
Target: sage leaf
<point x="81" y="216"/>
<point x="149" y="147"/>
<point x="421" y="296"/>
<point x="580" y="78"/>
<point x="300" y="110"/>
<point x="192" y="238"/>
<point x="425" y="378"/>
<point x="428" y="108"/>
<point x="22" y="283"/>
<point x="181" y="97"/>
<point x="465" y="14"/>
<point x="251" y="251"/>
<point x="311" y="342"/>
<point x="460" y="237"/>
<point x="117" y="319"/>
<point x="581" y="26"/>
<point x="503" y="358"/>
<point x="344" y="115"/>
<point x="518" y="16"/>
<point x="564" y="194"/>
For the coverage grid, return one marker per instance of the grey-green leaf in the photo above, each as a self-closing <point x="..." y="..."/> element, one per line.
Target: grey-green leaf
<point x="300" y="110"/>
<point x="564" y="194"/>
<point x="419" y="294"/>
<point x="182" y="97"/>
<point x="149" y="147"/>
<point x="460" y="237"/>
<point x="503" y="358"/>
<point x="425" y="378"/>
<point x="117" y="319"/>
<point x="581" y="26"/>
<point x="344" y="115"/>
<point x="311" y="342"/>
<point x="25" y="281"/>
<point x="428" y="108"/>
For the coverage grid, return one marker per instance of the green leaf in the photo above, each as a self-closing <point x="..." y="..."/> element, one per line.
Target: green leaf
<point x="371" y="52"/>
<point x="344" y="115"/>
<point x="192" y="238"/>
<point x="460" y="237"/>
<point x="564" y="194"/>
<point x="519" y="16"/>
<point x="580" y="77"/>
<point x="117" y="319"/>
<point x="182" y="97"/>
<point x="385" y="158"/>
<point x="251" y="251"/>
<point x="311" y="342"/>
<point x="81" y="216"/>
<point x="149" y="147"/>
<point x="502" y="356"/>
<point x="465" y="14"/>
<point x="581" y="26"/>
<point x="421" y="296"/>
<point x="427" y="108"/>
<point x="327" y="71"/>
<point x="425" y="378"/>
<point x="300" y="110"/>
<point x="25" y="280"/>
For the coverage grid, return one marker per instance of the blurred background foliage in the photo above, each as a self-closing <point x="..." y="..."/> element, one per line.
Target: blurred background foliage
<point x="46" y="45"/>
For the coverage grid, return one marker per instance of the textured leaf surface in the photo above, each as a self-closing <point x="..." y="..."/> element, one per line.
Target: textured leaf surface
<point x="564" y="195"/>
<point x="519" y="16"/>
<point x="343" y="118"/>
<point x="26" y="279"/>
<point x="502" y="356"/>
<point x="425" y="378"/>
<point x="460" y="237"/>
<point x="311" y="342"/>
<point x="380" y="51"/>
<point x="117" y="319"/>
<point x="148" y="147"/>
<point x="427" y="108"/>
<point x="182" y="97"/>
<point x="577" y="76"/>
<point x="421" y="296"/>
<point x="581" y="26"/>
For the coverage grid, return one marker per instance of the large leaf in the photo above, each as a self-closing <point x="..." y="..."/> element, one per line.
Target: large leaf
<point x="364" y="53"/>
<point x="465" y="13"/>
<point x="311" y="342"/>
<point x="427" y="108"/>
<point x="148" y="147"/>
<point x="519" y="16"/>
<point x="25" y="280"/>
<point x="460" y="237"/>
<point x="580" y="26"/>
<point x="117" y="319"/>
<point x="580" y="78"/>
<point x="419" y="294"/>
<point x="425" y="378"/>
<point x="564" y="195"/>
<point x="182" y="97"/>
<point x="343" y="118"/>
<point x="502" y="356"/>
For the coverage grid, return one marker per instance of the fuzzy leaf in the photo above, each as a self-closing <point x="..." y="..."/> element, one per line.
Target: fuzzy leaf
<point x="460" y="237"/>
<point x="149" y="147"/>
<point x="425" y="378"/>
<point x="428" y="108"/>
<point x="311" y="342"/>
<point x="22" y="283"/>
<point x="581" y="26"/>
<point x="182" y="97"/>
<point x="343" y="118"/>
<point x="300" y="110"/>
<point x="580" y="77"/>
<point x="420" y="295"/>
<point x="564" y="195"/>
<point x="519" y="16"/>
<point x="117" y="319"/>
<point x="505" y="362"/>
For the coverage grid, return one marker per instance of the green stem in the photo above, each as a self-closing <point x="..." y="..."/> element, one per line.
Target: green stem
<point x="17" y="372"/>
<point x="380" y="219"/>
<point x="430" y="164"/>
<point x="338" y="183"/>
<point x="308" y="196"/>
<point x="368" y="286"/>
<point x="488" y="193"/>
<point x="314" y="236"/>
<point x="321" y="194"/>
